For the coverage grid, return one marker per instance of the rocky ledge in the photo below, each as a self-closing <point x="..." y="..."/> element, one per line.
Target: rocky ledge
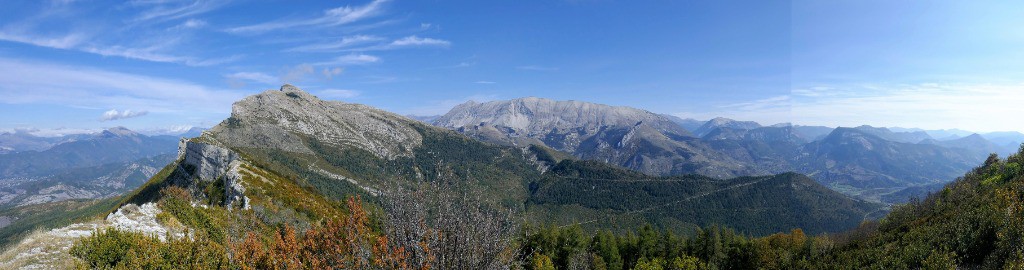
<point x="202" y="163"/>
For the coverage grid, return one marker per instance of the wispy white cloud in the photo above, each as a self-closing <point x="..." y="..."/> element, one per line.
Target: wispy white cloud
<point x="132" y="38"/>
<point x="761" y="104"/>
<point x="170" y="10"/>
<point x="331" y="17"/>
<point x="241" y="79"/>
<point x="405" y="42"/>
<point x="345" y="42"/>
<point x="331" y="72"/>
<point x="116" y="115"/>
<point x="191" y="24"/>
<point x="418" y="41"/>
<point x="89" y="87"/>
<point x="338" y="93"/>
<point x="76" y="41"/>
<point x="351" y="59"/>
<point x="152" y="54"/>
<point x="213" y="61"/>
<point x="147" y="54"/>
<point x="59" y="42"/>
<point x="297" y="73"/>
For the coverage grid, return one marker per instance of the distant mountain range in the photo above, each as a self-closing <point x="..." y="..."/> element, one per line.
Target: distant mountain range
<point x="24" y="141"/>
<point x="21" y="140"/>
<point x="109" y="146"/>
<point x="633" y="138"/>
<point x="864" y="161"/>
<point x="98" y="165"/>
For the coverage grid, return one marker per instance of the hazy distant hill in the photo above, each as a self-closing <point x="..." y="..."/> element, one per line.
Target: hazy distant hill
<point x="722" y="122"/>
<point x="974" y="144"/>
<point x="114" y="145"/>
<point x="689" y="124"/>
<point x="904" y="137"/>
<point x="99" y="165"/>
<point x="1008" y="139"/>
<point x="812" y="133"/>
<point x="107" y="180"/>
<point x="854" y="158"/>
<point x="21" y="140"/>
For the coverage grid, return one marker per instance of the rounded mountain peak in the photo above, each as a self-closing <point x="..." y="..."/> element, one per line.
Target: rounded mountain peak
<point x="290" y="88"/>
<point x="285" y="119"/>
<point x="118" y="132"/>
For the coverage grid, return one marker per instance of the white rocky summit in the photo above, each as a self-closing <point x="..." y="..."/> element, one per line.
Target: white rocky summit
<point x="281" y="118"/>
<point x="571" y="121"/>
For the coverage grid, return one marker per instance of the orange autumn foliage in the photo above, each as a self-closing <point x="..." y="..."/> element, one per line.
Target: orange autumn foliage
<point x="345" y="243"/>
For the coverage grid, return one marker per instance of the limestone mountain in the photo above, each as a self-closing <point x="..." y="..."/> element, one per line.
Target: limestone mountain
<point x="722" y="122"/>
<point x="562" y="125"/>
<point x="632" y="138"/>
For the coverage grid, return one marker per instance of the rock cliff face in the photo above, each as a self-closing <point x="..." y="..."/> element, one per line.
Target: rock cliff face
<point x="203" y="163"/>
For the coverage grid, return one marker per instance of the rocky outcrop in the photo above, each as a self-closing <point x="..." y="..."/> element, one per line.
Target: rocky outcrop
<point x="284" y="119"/>
<point x="203" y="163"/>
<point x="49" y="249"/>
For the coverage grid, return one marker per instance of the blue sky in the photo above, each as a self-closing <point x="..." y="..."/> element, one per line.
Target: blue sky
<point x="152" y="65"/>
